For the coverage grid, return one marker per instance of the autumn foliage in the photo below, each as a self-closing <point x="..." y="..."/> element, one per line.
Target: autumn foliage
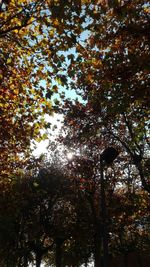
<point x="22" y="101"/>
<point x="98" y="52"/>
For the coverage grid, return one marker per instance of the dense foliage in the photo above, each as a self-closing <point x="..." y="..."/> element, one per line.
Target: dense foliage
<point x="112" y="76"/>
<point x="54" y="217"/>
<point x="50" y="212"/>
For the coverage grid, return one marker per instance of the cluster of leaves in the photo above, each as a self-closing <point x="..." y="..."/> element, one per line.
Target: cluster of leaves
<point x="22" y="102"/>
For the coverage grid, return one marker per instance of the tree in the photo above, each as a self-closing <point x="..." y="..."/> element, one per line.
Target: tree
<point x="33" y="36"/>
<point x="111" y="75"/>
<point x="52" y="212"/>
<point x="31" y="60"/>
<point x="38" y="219"/>
<point x="130" y="234"/>
<point x="21" y="103"/>
<point x="101" y="51"/>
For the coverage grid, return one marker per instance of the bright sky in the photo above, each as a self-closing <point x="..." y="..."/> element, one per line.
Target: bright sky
<point x="55" y="119"/>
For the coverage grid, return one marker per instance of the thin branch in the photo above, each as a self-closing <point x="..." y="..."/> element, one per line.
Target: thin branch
<point x="128" y="124"/>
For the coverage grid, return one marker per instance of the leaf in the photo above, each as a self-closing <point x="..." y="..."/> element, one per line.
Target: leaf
<point x="36" y="184"/>
<point x="49" y="94"/>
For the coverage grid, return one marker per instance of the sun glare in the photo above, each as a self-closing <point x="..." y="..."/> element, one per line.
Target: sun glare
<point x="70" y="155"/>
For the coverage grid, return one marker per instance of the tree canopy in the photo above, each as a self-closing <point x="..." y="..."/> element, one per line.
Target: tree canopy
<point x="98" y="51"/>
<point x="112" y="76"/>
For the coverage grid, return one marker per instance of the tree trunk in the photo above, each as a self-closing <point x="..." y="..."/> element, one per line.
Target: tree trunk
<point x="126" y="260"/>
<point x="25" y="261"/>
<point x="139" y="260"/>
<point x="97" y="251"/>
<point x="86" y="263"/>
<point x="38" y="259"/>
<point x="145" y="185"/>
<point x="58" y="255"/>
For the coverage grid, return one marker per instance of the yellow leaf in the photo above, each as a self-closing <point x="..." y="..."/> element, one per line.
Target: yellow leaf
<point x="9" y="60"/>
<point x="51" y="33"/>
<point x="16" y="31"/>
<point x="56" y="22"/>
<point x="35" y="184"/>
<point x="31" y="19"/>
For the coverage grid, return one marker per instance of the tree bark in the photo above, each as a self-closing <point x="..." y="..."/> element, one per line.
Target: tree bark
<point x="145" y="185"/>
<point x="25" y="261"/>
<point x="126" y="260"/>
<point x="86" y="263"/>
<point x="58" y="255"/>
<point x="38" y="259"/>
<point x="97" y="251"/>
<point x="139" y="260"/>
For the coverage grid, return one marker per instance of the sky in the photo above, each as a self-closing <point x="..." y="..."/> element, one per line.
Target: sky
<point x="55" y="119"/>
<point x="41" y="147"/>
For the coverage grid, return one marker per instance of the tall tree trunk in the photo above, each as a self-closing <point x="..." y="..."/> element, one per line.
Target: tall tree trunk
<point x="139" y="260"/>
<point x="38" y="259"/>
<point x="126" y="260"/>
<point x="58" y="255"/>
<point x="86" y="263"/>
<point x="97" y="251"/>
<point x="25" y="261"/>
<point x="145" y="185"/>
